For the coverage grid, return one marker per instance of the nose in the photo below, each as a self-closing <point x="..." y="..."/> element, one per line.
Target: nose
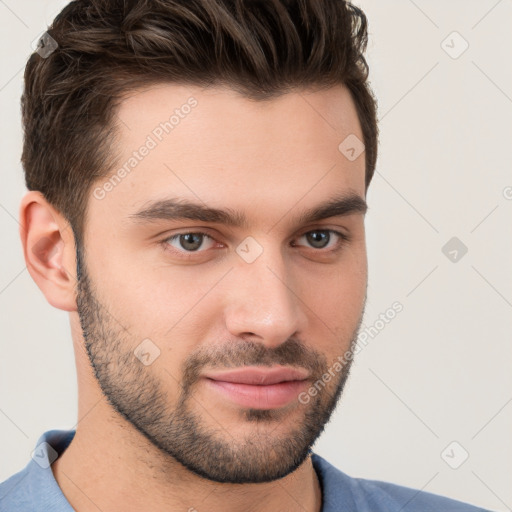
<point x="264" y="301"/>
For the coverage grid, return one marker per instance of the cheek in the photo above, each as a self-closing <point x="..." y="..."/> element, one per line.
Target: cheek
<point x="155" y="292"/>
<point x="335" y="303"/>
<point x="164" y="304"/>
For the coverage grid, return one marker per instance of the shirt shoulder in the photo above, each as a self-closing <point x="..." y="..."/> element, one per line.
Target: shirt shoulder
<point x="12" y="492"/>
<point x="34" y="488"/>
<point x="343" y="492"/>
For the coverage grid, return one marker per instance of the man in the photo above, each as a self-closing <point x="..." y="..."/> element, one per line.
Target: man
<point x="197" y="175"/>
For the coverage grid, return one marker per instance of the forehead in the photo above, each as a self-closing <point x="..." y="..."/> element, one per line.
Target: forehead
<point x="222" y="113"/>
<point x="218" y="147"/>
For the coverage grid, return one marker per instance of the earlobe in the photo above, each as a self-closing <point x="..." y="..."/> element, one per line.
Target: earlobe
<point x="49" y="250"/>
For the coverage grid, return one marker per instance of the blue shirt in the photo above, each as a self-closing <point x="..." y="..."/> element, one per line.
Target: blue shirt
<point x="34" y="488"/>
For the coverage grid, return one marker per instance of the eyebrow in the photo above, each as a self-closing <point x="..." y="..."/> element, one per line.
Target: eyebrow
<point x="182" y="209"/>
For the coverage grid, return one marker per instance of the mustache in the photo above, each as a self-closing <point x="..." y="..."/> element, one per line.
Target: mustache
<point x="249" y="353"/>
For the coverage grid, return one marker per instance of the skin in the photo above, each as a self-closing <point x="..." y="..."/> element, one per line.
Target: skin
<point x="156" y="437"/>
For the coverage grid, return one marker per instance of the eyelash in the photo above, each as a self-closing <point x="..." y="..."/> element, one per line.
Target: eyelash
<point x="343" y="239"/>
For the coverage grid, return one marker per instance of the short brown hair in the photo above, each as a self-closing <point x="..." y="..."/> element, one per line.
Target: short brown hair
<point x="260" y="48"/>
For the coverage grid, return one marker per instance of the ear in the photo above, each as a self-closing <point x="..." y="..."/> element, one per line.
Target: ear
<point x="49" y="250"/>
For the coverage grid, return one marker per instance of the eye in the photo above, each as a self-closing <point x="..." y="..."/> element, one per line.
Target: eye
<point x="188" y="242"/>
<point x="321" y="238"/>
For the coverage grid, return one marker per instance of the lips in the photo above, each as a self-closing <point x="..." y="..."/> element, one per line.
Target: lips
<point x="259" y="376"/>
<point x="257" y="387"/>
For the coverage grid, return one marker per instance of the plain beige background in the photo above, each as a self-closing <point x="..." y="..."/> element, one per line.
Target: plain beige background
<point x="434" y="384"/>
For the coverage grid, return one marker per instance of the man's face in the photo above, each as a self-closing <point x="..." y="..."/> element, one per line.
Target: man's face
<point x="168" y="303"/>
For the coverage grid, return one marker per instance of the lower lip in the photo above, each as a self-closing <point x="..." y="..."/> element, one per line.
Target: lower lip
<point x="271" y="396"/>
